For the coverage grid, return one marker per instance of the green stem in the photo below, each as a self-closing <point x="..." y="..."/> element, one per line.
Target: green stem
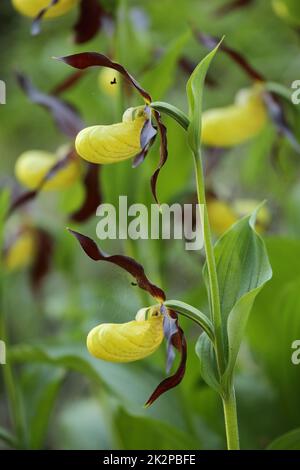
<point x="193" y="314"/>
<point x="214" y="296"/>
<point x="173" y="112"/>
<point x="231" y="423"/>
<point x="229" y="402"/>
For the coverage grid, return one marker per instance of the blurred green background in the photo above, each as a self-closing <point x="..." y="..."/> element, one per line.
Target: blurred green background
<point x="65" y="398"/>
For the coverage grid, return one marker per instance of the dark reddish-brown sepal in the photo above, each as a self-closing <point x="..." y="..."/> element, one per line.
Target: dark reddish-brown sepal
<point x="43" y="256"/>
<point x="125" y="262"/>
<point x="89" y="22"/>
<point x="163" y="153"/>
<point x="276" y="113"/>
<point x="211" y="41"/>
<point x="232" y="6"/>
<point x="177" y="340"/>
<point x="84" y="60"/>
<point x="65" y="116"/>
<point x="93" y="196"/>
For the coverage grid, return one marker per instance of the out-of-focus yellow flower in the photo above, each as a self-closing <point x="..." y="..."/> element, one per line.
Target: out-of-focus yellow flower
<point x="288" y="10"/>
<point x="235" y="124"/>
<point x="128" y="342"/>
<point x="31" y="8"/>
<point x="32" y="167"/>
<point x="244" y="207"/>
<point x="113" y="143"/>
<point x="20" y="253"/>
<point x="109" y="81"/>
<point x="221" y="216"/>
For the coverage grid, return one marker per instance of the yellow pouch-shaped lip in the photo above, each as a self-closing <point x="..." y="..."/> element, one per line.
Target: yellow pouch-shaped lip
<point x="21" y="252"/>
<point x="235" y="124"/>
<point x="110" y="144"/>
<point x="32" y="167"/>
<point x="126" y="342"/>
<point x="31" y="8"/>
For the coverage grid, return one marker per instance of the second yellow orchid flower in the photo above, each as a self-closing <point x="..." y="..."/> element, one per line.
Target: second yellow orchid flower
<point x="32" y="8"/>
<point x="237" y="123"/>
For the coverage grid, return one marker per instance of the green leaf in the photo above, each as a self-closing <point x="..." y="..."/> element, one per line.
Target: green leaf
<point x="7" y="437"/>
<point x="242" y="268"/>
<point x="41" y="385"/>
<point x="130" y="383"/>
<point x="162" y="437"/>
<point x="277" y="312"/>
<point x="193" y="314"/>
<point x="194" y="89"/>
<point x="288" y="441"/>
<point x="83" y="424"/>
<point x="208" y="366"/>
<point x="161" y="77"/>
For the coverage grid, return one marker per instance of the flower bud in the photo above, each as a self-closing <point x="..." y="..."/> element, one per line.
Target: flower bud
<point x="127" y="342"/>
<point x="113" y="143"/>
<point x="32" y="8"/>
<point x="32" y="167"/>
<point x="235" y="124"/>
<point x="21" y="251"/>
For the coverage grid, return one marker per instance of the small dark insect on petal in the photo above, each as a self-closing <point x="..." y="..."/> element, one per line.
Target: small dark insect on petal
<point x="91" y="14"/>
<point x="179" y="342"/>
<point x="93" y="196"/>
<point x="28" y="196"/>
<point x="277" y="115"/>
<point x="125" y="262"/>
<point x="210" y="42"/>
<point x="163" y="153"/>
<point x="232" y="6"/>
<point x="84" y="60"/>
<point x="64" y="115"/>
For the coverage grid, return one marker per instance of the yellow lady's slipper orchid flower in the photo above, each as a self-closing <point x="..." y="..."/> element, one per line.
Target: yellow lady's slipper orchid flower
<point x="109" y="81"/>
<point x="113" y="143"/>
<point x="32" y="167"/>
<point x="32" y="8"/>
<point x="221" y="216"/>
<point x="235" y="124"/>
<point x="127" y="342"/>
<point x="288" y="10"/>
<point x="21" y="252"/>
<point x="244" y="207"/>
